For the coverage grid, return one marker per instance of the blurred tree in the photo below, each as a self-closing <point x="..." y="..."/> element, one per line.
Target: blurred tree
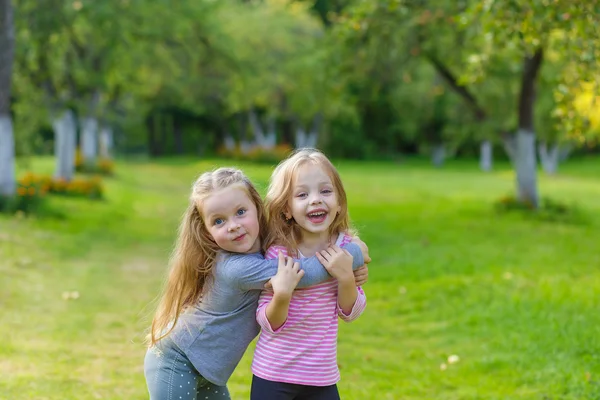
<point x="533" y="32"/>
<point x="7" y="146"/>
<point x="280" y="71"/>
<point x="44" y="84"/>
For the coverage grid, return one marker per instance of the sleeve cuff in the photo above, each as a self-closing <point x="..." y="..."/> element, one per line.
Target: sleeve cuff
<point x="357" y="309"/>
<point x="263" y="321"/>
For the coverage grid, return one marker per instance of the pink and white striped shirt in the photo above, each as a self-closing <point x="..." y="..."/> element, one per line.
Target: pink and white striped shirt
<point x="304" y="349"/>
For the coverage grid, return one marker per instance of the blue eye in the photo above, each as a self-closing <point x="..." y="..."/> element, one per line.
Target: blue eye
<point x="301" y="195"/>
<point x="218" y="221"/>
<point x="326" y="191"/>
<point x="241" y="211"/>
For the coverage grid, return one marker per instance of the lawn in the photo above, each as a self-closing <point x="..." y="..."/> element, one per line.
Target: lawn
<point x="516" y="298"/>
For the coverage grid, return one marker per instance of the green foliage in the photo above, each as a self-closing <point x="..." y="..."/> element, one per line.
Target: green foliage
<point x="29" y="196"/>
<point x="568" y="34"/>
<point x="21" y="203"/>
<point x="384" y="72"/>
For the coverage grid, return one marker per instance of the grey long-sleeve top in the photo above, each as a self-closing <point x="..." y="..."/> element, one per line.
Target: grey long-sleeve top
<point x="215" y="333"/>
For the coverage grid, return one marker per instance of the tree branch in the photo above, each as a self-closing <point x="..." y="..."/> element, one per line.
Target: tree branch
<point x="531" y="67"/>
<point x="462" y="91"/>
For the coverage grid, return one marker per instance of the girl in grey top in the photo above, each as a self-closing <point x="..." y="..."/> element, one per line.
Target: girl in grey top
<point x="206" y="318"/>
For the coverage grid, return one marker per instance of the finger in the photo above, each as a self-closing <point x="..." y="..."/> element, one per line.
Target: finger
<point x="268" y="285"/>
<point x="300" y="274"/>
<point x="336" y="248"/>
<point x="359" y="275"/>
<point x="296" y="267"/>
<point x="347" y="252"/>
<point x="327" y="253"/>
<point x="321" y="259"/>
<point x="333" y="250"/>
<point x="288" y="262"/>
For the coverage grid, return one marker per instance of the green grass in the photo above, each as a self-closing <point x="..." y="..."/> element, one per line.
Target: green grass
<point x="515" y="297"/>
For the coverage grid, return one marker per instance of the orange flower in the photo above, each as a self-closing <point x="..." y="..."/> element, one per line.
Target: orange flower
<point x="31" y="191"/>
<point x="21" y="191"/>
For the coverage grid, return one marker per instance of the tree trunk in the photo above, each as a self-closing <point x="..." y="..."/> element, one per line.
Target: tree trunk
<point x="257" y="130"/>
<point x="7" y="141"/>
<point x="7" y="157"/>
<point x="549" y="158"/>
<point x="525" y="163"/>
<point x="89" y="140"/>
<point x="438" y="154"/>
<point x="65" y="141"/>
<point x="564" y="151"/>
<point x="300" y="139"/>
<point x="313" y="134"/>
<point x="106" y="142"/>
<point x="228" y="140"/>
<point x="271" y="137"/>
<point x="525" y="166"/>
<point x="486" y="156"/>
<point x="307" y="137"/>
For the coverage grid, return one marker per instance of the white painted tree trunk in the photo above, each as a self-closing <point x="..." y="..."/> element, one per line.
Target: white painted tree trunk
<point x="486" y="156"/>
<point x="7" y="157"/>
<point x="301" y="137"/>
<point x="305" y="138"/>
<point x="311" y="139"/>
<point x="438" y="154"/>
<point x="246" y="146"/>
<point x="106" y="142"/>
<point x="257" y="130"/>
<point x="7" y="140"/>
<point x="549" y="158"/>
<point x="564" y="151"/>
<point x="89" y="139"/>
<point x="65" y="141"/>
<point x="229" y="142"/>
<point x="525" y="166"/>
<point x="271" y="136"/>
<point x="261" y="139"/>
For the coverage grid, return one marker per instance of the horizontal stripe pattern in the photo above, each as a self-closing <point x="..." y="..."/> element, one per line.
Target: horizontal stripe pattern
<point x="304" y="349"/>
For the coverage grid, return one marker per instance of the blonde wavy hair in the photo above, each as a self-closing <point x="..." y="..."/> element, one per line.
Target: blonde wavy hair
<point x="195" y="252"/>
<point x="286" y="232"/>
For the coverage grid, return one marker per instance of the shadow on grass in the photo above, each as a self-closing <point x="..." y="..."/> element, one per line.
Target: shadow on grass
<point x="549" y="210"/>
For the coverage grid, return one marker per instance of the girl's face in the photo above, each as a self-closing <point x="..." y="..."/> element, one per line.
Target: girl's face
<point x="314" y="203"/>
<point x="232" y="220"/>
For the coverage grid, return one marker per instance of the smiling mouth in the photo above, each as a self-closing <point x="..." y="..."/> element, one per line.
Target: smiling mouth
<point x="239" y="238"/>
<point x="317" y="216"/>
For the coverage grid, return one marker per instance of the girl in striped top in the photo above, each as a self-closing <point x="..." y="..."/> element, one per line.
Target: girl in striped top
<point x="296" y="353"/>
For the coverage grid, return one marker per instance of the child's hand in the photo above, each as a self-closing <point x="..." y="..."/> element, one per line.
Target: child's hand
<point x="361" y="275"/>
<point x="338" y="262"/>
<point x="363" y="248"/>
<point x="287" y="277"/>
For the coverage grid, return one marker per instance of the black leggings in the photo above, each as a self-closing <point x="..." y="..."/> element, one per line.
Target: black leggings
<point x="263" y="389"/>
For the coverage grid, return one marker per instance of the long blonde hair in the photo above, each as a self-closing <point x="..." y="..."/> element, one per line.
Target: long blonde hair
<point x="287" y="232"/>
<point x="195" y="252"/>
